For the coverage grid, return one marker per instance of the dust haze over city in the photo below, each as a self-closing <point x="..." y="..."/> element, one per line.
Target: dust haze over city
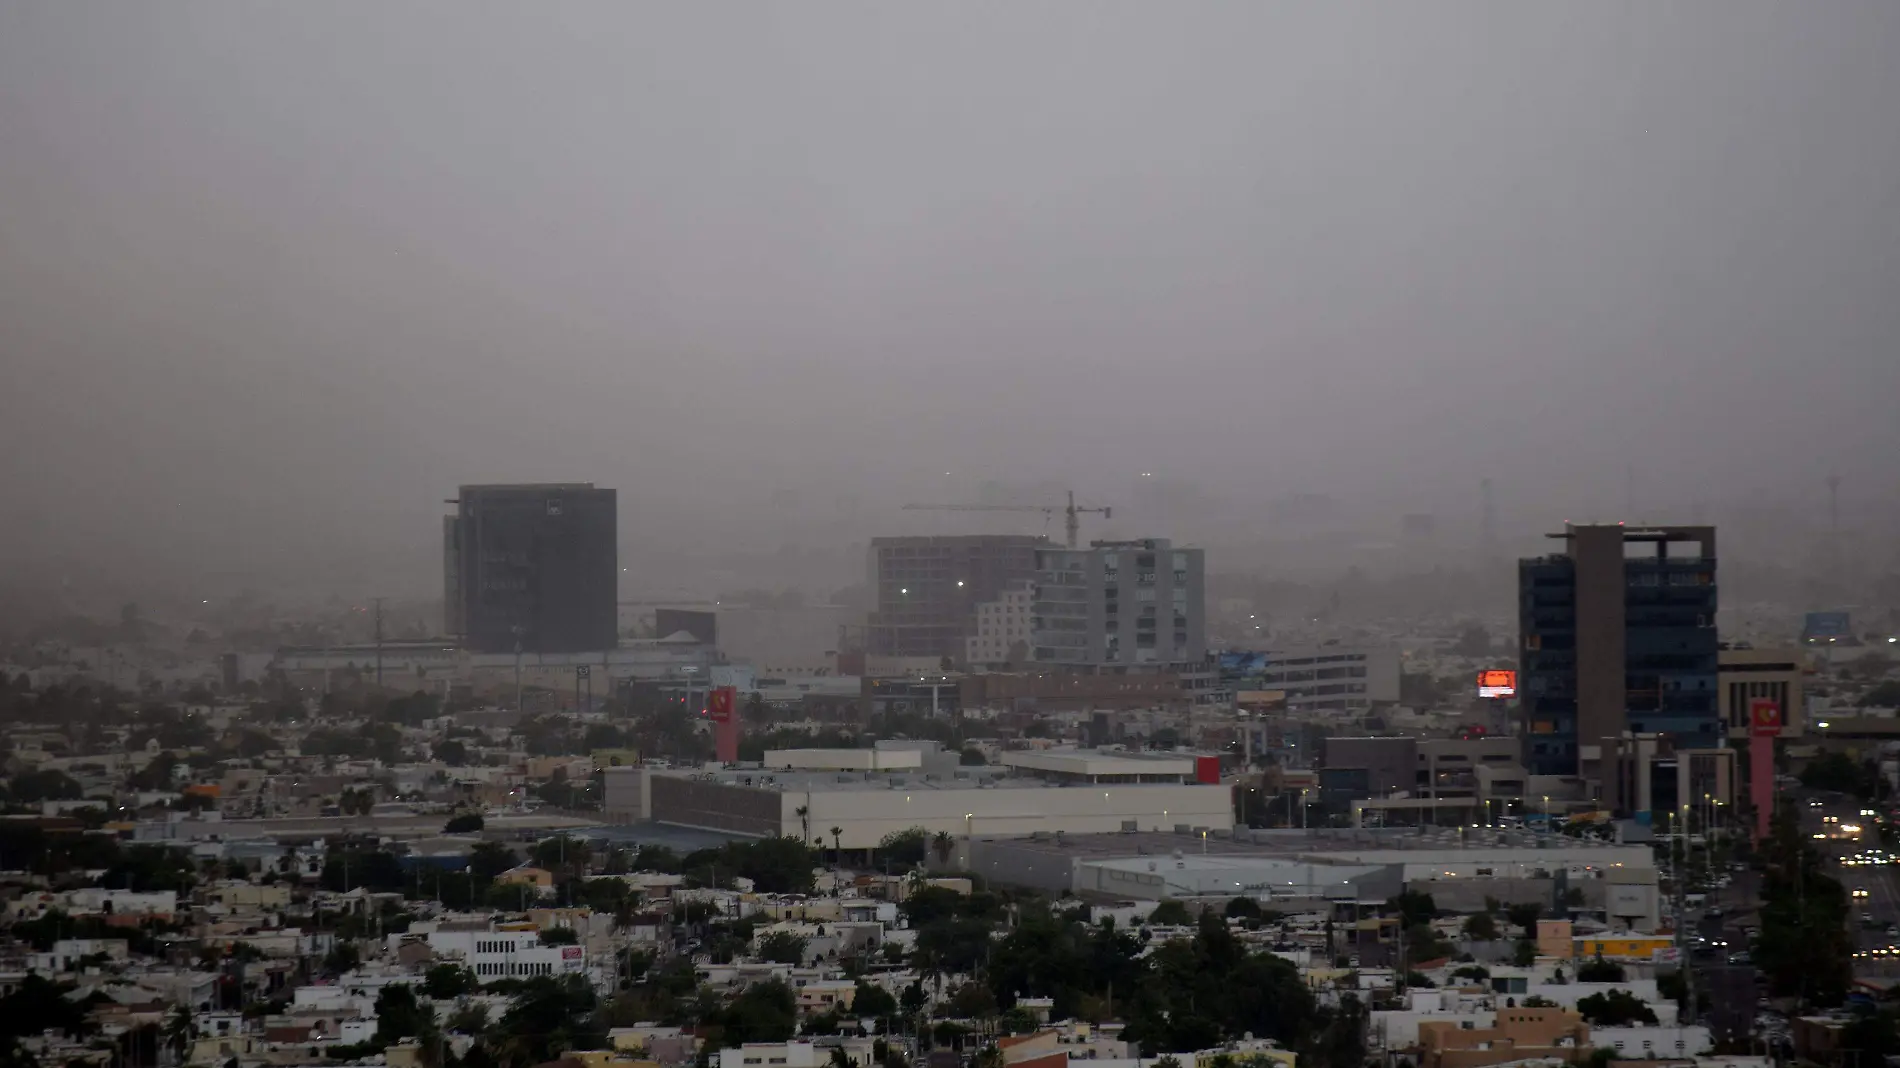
<point x="275" y="280"/>
<point x="870" y="534"/>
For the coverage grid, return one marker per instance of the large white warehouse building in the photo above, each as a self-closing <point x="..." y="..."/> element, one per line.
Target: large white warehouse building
<point x="1071" y="791"/>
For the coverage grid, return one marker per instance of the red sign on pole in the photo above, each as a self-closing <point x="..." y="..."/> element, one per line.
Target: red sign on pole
<point x="1764" y="717"/>
<point x="723" y="707"/>
<point x="719" y="704"/>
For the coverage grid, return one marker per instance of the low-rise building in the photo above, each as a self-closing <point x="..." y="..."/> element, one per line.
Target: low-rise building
<point x="500" y="953"/>
<point x="770" y="1055"/>
<point x="1516" y="1035"/>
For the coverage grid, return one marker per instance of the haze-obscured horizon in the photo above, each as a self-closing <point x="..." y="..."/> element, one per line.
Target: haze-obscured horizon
<point x="275" y="279"/>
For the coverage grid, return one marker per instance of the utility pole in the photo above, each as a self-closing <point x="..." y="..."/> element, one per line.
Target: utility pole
<point x="517" y="631"/>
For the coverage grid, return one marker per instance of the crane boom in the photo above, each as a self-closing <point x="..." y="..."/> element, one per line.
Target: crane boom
<point x="1071" y="515"/>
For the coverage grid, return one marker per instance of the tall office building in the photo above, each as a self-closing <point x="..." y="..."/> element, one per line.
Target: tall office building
<point x="927" y="589"/>
<point x="1119" y="604"/>
<point x="532" y="564"/>
<point x="1617" y="635"/>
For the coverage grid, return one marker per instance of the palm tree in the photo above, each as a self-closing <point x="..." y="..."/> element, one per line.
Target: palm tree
<point x="180" y="1030"/>
<point x="945" y="845"/>
<point x="837" y="851"/>
<point x="804" y="822"/>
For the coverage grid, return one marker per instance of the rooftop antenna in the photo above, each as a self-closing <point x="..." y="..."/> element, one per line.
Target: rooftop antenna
<point x="1488" y="530"/>
<point x="378" y="602"/>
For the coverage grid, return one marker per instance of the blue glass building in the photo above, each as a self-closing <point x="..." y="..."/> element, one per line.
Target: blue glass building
<point x="1617" y="634"/>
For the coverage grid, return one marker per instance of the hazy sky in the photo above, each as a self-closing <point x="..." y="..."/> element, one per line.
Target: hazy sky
<point x="274" y="278"/>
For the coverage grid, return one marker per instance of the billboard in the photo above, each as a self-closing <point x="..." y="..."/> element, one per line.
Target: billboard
<point x="1497" y="683"/>
<point x="1764" y="717"/>
<point x="1237" y="666"/>
<point x="1820" y="626"/>
<point x="719" y="704"/>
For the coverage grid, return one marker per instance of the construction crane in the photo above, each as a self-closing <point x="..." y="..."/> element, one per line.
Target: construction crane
<point x="1071" y="515"/>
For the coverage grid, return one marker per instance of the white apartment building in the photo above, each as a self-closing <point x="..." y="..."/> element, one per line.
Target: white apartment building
<point x="770" y="1055"/>
<point x="1339" y="678"/>
<point x="495" y="955"/>
<point x="1001" y="626"/>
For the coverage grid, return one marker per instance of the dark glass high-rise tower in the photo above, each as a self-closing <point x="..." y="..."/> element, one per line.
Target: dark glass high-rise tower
<point x="1617" y="634"/>
<point x="532" y="566"/>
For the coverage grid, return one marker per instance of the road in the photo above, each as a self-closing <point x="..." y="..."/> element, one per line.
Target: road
<point x="1732" y="989"/>
<point x="1875" y="888"/>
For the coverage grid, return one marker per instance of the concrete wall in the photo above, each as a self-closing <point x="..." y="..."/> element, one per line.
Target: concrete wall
<point x="1013" y="863"/>
<point x="1601" y="589"/>
<point x="716" y="806"/>
<point x="866" y="816"/>
<point x="626" y="794"/>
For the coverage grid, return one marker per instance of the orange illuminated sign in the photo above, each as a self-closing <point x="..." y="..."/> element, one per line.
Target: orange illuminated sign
<point x="1497" y="683"/>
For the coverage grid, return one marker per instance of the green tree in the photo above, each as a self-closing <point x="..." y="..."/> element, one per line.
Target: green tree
<point x="562" y="853"/>
<point x="764" y="1012"/>
<point x="1615" y="1008"/>
<point x="1525" y="916"/>
<point x="469" y="1019"/>
<point x="944" y="845"/>
<point x="464" y="823"/>
<point x="398" y="1016"/>
<point x="1840" y="772"/>
<point x="342" y="958"/>
<point x="1873" y="1033"/>
<point x="972" y="1001"/>
<point x="489" y="859"/>
<point x="32" y="787"/>
<point x="873" y="1001"/>
<point x="181" y="1030"/>
<point x="1481" y="926"/>
<point x="1803" y="947"/>
<point x="1599" y="970"/>
<point x="1339" y="1040"/>
<point x="907" y="847"/>
<point x="782" y="947"/>
<point x="1170" y="913"/>
<point x="1413" y="908"/>
<point x="550" y="1014"/>
<point x="1424" y="943"/>
<point x="447" y="981"/>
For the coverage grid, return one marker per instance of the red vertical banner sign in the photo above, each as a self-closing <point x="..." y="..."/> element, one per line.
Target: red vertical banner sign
<point x="722" y="705"/>
<point x="1764" y="726"/>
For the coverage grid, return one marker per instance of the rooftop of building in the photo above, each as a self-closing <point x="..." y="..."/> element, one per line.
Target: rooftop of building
<point x="1100" y="761"/>
<point x="494" y="487"/>
<point x="973" y="778"/>
<point x="1366" y="846"/>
